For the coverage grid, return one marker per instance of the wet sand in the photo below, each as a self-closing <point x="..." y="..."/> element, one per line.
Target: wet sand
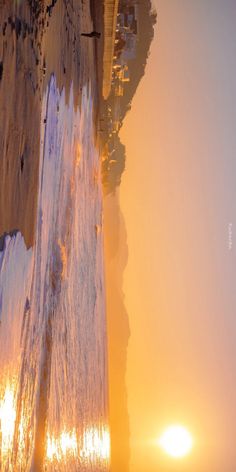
<point x="37" y="39"/>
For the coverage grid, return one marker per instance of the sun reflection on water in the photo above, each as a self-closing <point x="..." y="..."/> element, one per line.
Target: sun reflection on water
<point x="16" y="435"/>
<point x="96" y="443"/>
<point x="92" y="446"/>
<point x="62" y="446"/>
<point x="7" y="421"/>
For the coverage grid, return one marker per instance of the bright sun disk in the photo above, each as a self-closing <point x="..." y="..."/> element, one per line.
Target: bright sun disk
<point x="176" y="441"/>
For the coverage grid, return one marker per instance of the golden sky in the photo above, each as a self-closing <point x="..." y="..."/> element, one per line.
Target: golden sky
<point x="178" y="198"/>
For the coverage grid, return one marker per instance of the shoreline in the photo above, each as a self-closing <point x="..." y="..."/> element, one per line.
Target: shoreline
<point x="29" y="55"/>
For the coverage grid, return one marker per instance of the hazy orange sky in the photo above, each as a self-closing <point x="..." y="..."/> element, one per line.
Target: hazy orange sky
<point x="178" y="197"/>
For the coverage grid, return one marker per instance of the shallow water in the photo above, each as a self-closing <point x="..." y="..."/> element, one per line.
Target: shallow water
<point x="53" y="356"/>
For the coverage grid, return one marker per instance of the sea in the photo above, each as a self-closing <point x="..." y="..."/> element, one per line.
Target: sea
<point x="53" y="340"/>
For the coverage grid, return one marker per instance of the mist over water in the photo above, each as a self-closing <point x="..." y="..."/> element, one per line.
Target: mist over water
<point x="53" y="355"/>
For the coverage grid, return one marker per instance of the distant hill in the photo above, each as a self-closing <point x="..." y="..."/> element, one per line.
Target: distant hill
<point x="116" y="257"/>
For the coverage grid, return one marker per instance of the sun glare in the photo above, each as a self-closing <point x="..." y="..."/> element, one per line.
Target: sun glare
<point x="92" y="446"/>
<point x="176" y="441"/>
<point x="64" y="445"/>
<point x="7" y="420"/>
<point x="95" y="445"/>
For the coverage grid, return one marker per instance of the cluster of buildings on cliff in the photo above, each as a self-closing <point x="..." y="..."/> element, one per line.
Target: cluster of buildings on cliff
<point x="125" y="62"/>
<point x="125" y="44"/>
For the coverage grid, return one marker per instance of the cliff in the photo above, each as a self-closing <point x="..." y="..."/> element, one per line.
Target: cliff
<point x="114" y="163"/>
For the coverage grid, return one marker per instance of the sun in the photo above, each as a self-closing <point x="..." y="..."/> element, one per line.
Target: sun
<point x="176" y="441"/>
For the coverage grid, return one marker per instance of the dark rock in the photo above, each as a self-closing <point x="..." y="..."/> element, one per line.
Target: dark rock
<point x="22" y="162"/>
<point x="18" y="27"/>
<point x="3" y="237"/>
<point x="4" y="28"/>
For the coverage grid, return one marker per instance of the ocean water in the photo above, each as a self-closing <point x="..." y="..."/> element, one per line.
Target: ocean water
<point x="53" y="354"/>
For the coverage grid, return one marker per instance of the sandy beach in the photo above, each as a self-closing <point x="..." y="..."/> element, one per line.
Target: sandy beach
<point x="38" y="39"/>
